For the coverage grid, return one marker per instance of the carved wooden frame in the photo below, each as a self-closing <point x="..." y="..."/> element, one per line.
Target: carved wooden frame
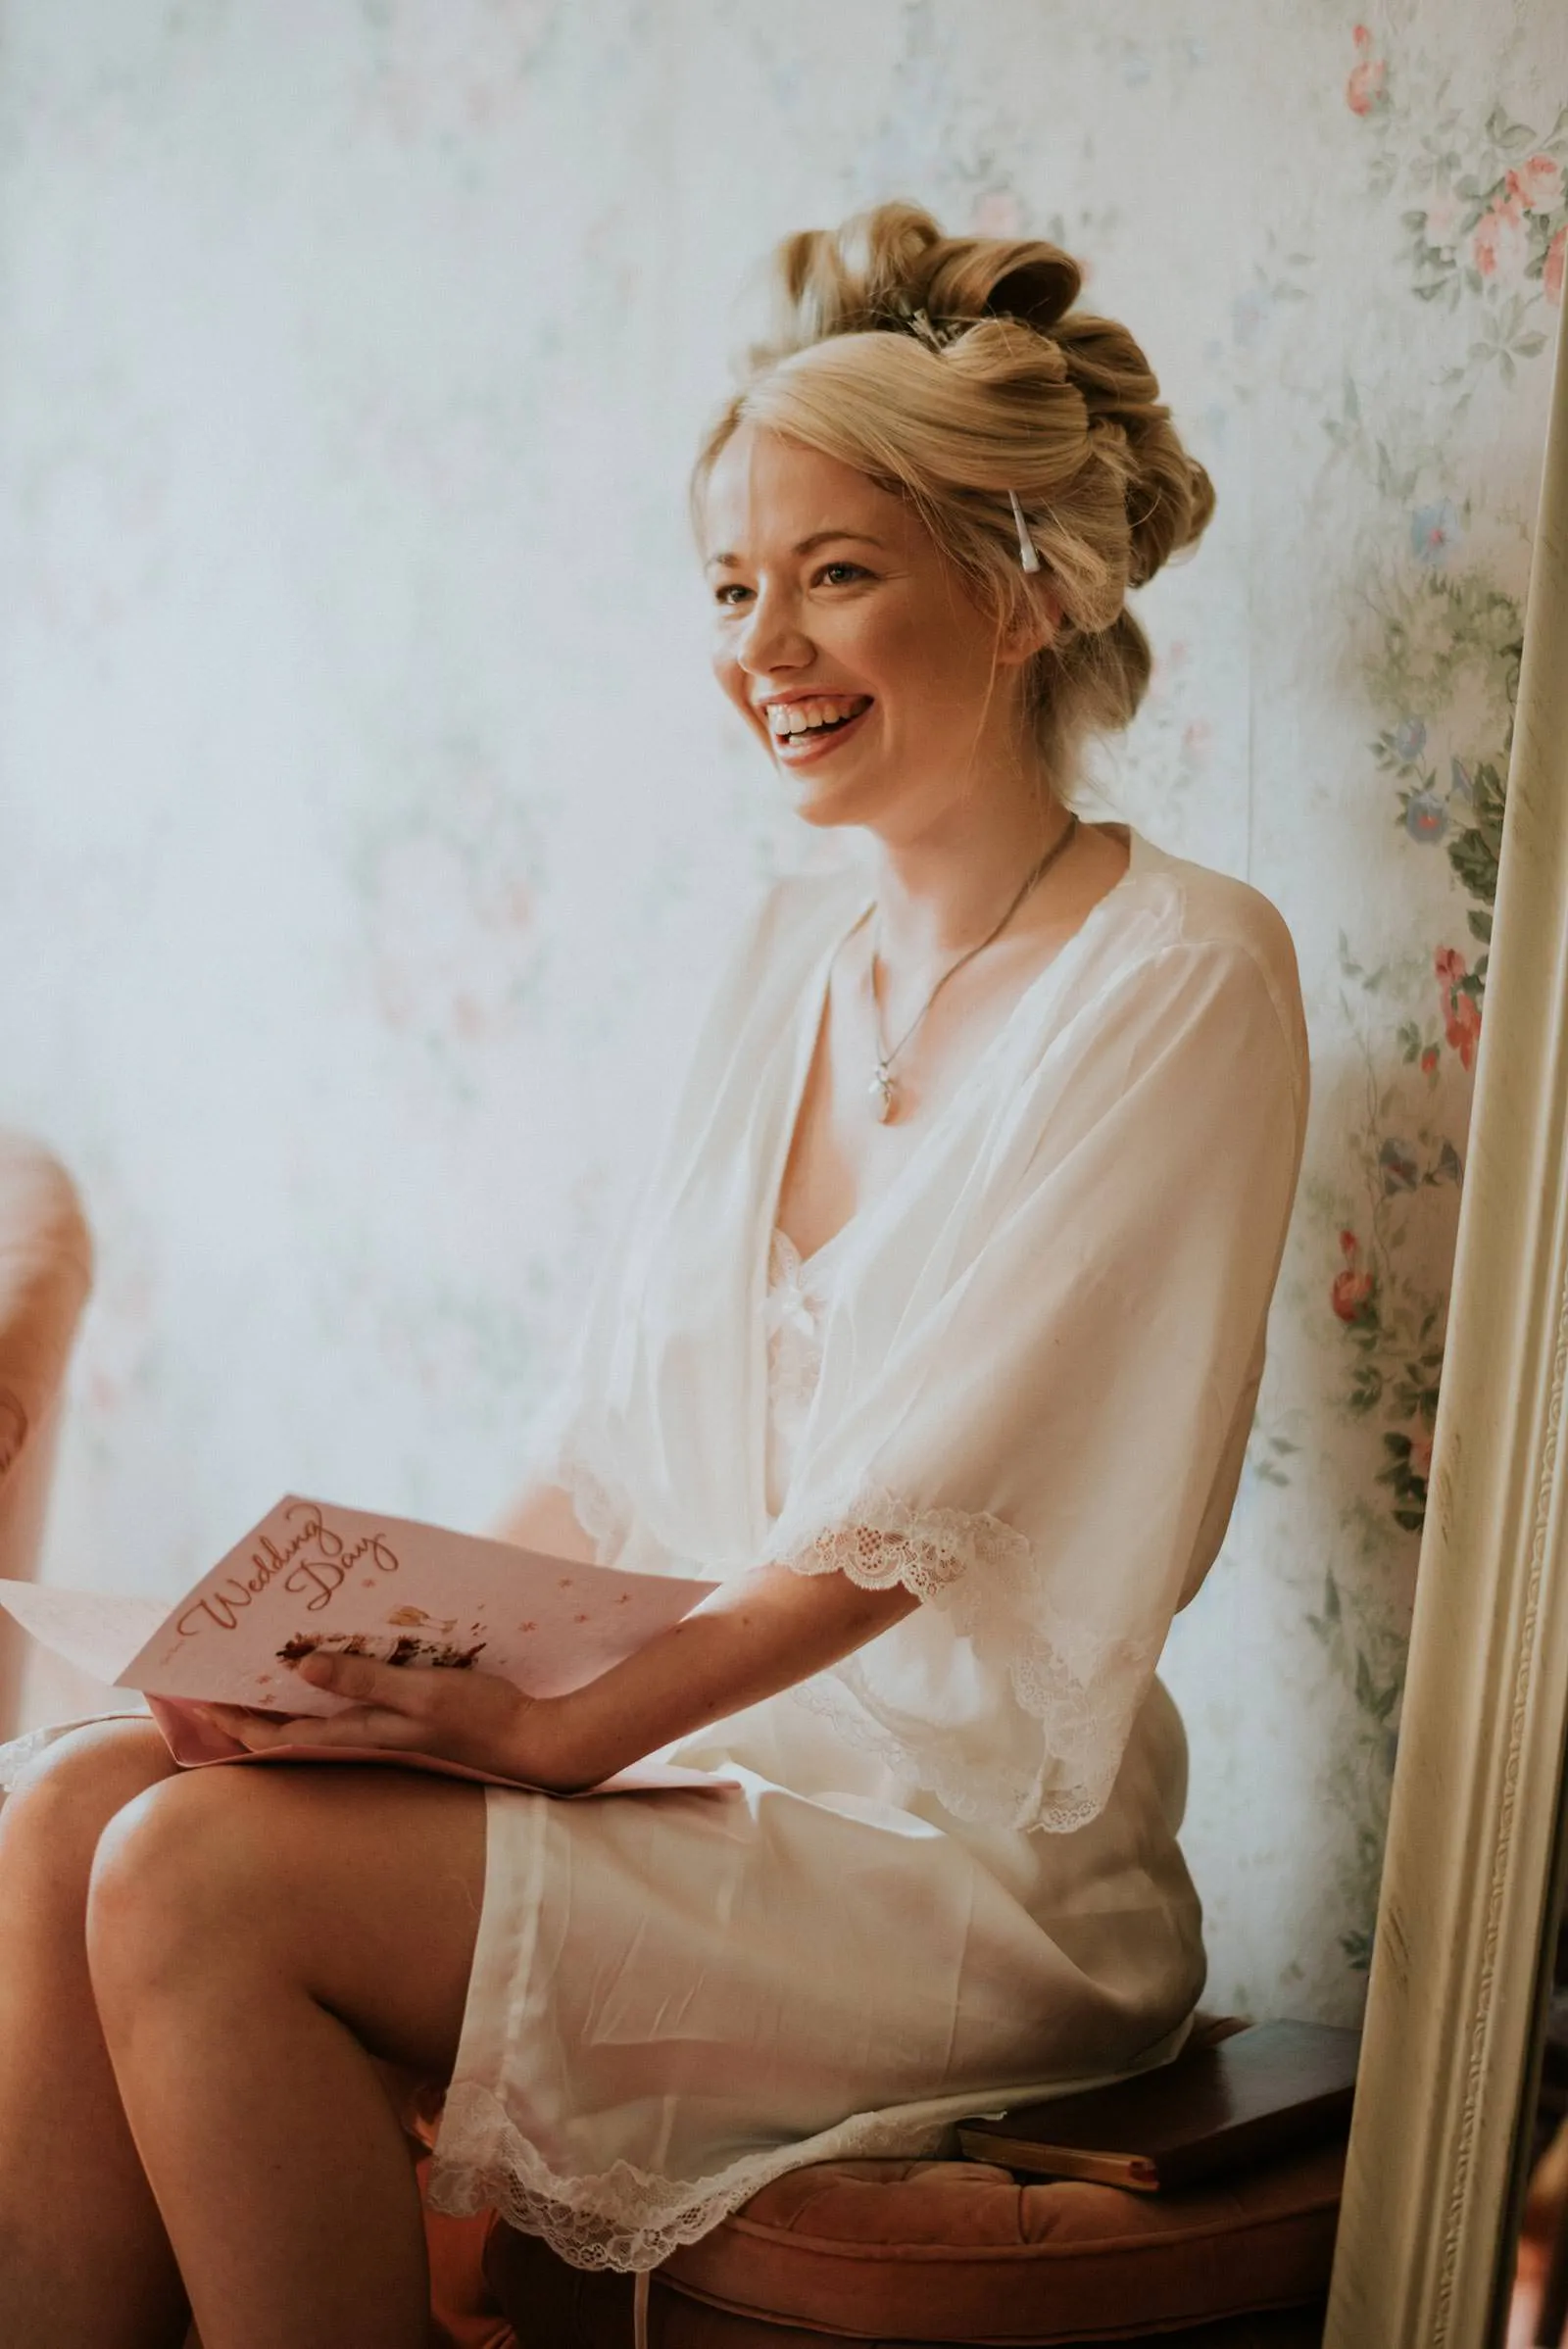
<point x="1471" y="1836"/>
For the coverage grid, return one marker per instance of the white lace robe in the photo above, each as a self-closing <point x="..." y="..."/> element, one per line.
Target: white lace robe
<point x="1021" y="1384"/>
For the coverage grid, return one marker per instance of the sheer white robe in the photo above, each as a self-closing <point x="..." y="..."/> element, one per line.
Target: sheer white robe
<point x="1020" y="1383"/>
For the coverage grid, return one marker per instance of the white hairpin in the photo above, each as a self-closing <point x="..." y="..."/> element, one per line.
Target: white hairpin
<point x="1028" y="552"/>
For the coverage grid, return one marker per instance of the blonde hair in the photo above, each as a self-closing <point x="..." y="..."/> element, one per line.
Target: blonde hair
<point x="953" y="370"/>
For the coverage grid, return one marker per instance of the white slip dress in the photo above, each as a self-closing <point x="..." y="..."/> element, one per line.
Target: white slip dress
<point x="676" y="1999"/>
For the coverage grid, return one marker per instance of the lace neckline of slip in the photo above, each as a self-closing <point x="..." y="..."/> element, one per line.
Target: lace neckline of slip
<point x="788" y="1269"/>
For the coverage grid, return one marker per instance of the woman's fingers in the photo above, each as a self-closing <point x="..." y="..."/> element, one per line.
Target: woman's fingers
<point x="363" y="1724"/>
<point x="470" y="1716"/>
<point x="365" y="1682"/>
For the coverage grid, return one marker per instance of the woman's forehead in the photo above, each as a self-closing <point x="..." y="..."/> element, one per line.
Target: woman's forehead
<point x="766" y="491"/>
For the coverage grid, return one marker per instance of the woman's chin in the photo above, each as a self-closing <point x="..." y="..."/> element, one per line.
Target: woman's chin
<point x="821" y="805"/>
<point x="820" y="796"/>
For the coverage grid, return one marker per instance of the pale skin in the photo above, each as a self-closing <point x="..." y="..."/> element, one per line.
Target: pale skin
<point x="203" y="1975"/>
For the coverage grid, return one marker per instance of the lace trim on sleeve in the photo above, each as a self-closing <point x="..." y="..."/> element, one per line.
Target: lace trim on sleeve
<point x="884" y="1541"/>
<point x="1081" y="1685"/>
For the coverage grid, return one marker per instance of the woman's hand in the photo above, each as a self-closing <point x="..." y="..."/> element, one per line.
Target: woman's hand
<point x="758" y="1632"/>
<point x="475" y="1718"/>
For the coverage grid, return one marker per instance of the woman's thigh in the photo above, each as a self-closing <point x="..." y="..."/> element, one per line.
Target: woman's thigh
<point x="360" y="1886"/>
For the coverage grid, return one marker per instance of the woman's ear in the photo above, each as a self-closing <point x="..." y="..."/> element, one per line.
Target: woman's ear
<point x="1034" y="624"/>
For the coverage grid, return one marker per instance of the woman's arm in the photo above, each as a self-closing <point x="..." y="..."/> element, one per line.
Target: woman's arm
<point x="755" y="1635"/>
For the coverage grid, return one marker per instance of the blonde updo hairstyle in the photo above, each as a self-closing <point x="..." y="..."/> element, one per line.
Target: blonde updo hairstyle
<point x="953" y="370"/>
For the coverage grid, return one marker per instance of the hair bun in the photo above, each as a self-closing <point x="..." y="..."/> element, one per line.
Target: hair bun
<point x="882" y="264"/>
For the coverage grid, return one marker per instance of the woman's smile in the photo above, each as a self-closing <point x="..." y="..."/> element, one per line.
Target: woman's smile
<point x="808" y="726"/>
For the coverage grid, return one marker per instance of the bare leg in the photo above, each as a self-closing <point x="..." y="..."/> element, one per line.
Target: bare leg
<point x="256" y="1937"/>
<point x="83" y="2256"/>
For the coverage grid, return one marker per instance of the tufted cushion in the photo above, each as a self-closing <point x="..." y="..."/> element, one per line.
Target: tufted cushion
<point x="899" y="2252"/>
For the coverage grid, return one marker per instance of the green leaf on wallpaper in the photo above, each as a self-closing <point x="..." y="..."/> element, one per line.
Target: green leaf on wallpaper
<point x="1322" y="1626"/>
<point x="1379" y="1703"/>
<point x="1480" y="922"/>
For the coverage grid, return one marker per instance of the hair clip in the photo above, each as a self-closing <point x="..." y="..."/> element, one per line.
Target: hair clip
<point x="1028" y="552"/>
<point x="935" y="333"/>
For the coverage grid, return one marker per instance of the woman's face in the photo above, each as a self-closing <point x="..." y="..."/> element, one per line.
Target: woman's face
<point x="849" y="643"/>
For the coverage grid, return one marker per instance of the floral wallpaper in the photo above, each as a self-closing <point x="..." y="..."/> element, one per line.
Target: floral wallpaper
<point x="371" y="827"/>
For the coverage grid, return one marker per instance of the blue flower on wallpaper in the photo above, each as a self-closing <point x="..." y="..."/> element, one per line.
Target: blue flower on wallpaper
<point x="1410" y="738"/>
<point x="1434" y="531"/>
<point x="1425" y="816"/>
<point x="1400" y="1169"/>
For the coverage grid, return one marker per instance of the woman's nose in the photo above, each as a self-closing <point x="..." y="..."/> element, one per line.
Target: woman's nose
<point x="771" y="637"/>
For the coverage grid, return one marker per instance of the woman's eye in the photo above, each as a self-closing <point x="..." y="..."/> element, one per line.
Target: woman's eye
<point x="728" y="594"/>
<point x="846" y="572"/>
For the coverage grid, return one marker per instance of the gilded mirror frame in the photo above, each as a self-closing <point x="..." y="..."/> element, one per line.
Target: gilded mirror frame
<point x="1452" y="1995"/>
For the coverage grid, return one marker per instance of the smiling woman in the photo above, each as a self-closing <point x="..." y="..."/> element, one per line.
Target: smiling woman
<point x="943" y="1377"/>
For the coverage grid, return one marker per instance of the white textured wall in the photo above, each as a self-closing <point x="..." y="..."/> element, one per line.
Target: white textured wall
<point x="366" y="816"/>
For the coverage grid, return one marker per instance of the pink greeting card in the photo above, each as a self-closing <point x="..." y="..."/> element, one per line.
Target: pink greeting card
<point x="313" y="1575"/>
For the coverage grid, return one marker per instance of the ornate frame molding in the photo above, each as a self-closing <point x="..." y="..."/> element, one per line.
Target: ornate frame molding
<point x="1450" y="2014"/>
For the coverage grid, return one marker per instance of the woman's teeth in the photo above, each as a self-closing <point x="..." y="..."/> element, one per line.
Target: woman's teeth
<point x="789" y="719"/>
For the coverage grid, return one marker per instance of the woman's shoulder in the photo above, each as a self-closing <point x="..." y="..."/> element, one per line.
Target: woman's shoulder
<point x="1186" y="951"/>
<point x="1201" y="905"/>
<point x="1178" y="904"/>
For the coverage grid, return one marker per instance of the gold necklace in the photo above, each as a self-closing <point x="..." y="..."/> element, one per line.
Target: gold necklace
<point x="882" y="1092"/>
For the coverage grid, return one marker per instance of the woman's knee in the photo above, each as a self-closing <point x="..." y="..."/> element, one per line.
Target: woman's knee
<point x="59" y="1806"/>
<point x="178" y="1871"/>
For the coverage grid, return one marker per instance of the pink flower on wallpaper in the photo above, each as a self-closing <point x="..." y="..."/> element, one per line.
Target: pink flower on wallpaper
<point x="1461" y="1013"/>
<point x="1429" y="1062"/>
<point x="1552" y="273"/>
<point x="1499" y="247"/>
<point x="1537" y="184"/>
<point x="1350" y="1289"/>
<point x="1421" y="1455"/>
<point x="1443" y="219"/>
<point x="1365" y="89"/>
<point x="999" y="213"/>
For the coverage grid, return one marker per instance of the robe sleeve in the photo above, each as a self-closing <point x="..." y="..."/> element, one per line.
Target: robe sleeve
<point x="578" y="1442"/>
<point x="1049" y="1447"/>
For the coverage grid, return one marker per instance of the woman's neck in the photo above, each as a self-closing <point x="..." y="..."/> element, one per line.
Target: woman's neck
<point x="940" y="890"/>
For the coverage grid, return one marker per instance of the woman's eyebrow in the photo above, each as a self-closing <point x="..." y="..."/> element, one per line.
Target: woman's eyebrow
<point x="804" y="546"/>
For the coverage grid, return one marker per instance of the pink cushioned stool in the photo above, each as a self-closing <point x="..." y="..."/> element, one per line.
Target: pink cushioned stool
<point x="909" y="2253"/>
